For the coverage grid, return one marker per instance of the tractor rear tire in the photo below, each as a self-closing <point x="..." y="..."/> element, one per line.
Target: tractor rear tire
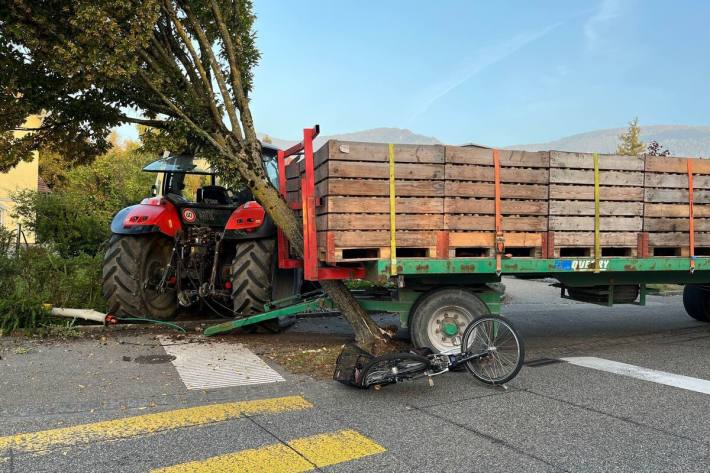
<point x="256" y="280"/>
<point x="252" y="272"/>
<point x="696" y="301"/>
<point x="130" y="261"/>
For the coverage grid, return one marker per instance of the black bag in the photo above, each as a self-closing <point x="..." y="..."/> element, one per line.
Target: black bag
<point x="350" y="364"/>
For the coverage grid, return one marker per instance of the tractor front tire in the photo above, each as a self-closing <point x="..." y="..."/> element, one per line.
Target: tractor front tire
<point x="130" y="262"/>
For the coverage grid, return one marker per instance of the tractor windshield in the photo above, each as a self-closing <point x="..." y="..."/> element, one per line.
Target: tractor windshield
<point x="180" y="163"/>
<point x="186" y="177"/>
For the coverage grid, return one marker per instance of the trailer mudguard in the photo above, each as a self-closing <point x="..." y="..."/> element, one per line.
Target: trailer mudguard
<point x="249" y="222"/>
<point x="152" y="215"/>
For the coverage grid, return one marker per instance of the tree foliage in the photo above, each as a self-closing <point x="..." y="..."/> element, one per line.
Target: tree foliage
<point x="630" y="143"/>
<point x="74" y="218"/>
<point x="183" y="66"/>
<point x="656" y="149"/>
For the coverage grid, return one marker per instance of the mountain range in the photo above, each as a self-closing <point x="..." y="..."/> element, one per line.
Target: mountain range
<point x="680" y="140"/>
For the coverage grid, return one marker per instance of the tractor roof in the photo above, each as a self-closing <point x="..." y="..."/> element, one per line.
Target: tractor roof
<point x="190" y="164"/>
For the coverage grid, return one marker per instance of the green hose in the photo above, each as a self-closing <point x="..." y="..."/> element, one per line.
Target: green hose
<point x="159" y="322"/>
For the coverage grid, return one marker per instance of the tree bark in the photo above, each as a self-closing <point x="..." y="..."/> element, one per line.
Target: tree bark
<point x="368" y="335"/>
<point x="240" y="148"/>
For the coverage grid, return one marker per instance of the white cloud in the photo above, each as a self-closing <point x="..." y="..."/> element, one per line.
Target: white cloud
<point x="599" y="24"/>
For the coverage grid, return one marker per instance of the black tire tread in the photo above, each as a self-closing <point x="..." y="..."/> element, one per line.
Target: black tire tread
<point x="121" y="278"/>
<point x="252" y="272"/>
<point x="419" y="313"/>
<point x="696" y="301"/>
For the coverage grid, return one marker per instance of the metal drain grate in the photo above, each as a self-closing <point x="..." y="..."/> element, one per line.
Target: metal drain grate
<point x="210" y="365"/>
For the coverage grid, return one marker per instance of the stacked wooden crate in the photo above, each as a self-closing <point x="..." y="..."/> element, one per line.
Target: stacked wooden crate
<point x="445" y="202"/>
<point x="572" y="210"/>
<point x="352" y="183"/>
<point x="666" y="208"/>
<point x="469" y="205"/>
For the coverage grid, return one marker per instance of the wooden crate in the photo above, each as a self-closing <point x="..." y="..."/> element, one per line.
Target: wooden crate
<point x="469" y="203"/>
<point x="666" y="208"/>
<point x="352" y="185"/>
<point x="571" y="204"/>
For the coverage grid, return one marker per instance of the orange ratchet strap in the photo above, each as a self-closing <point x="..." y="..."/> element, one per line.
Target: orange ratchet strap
<point x="500" y="240"/>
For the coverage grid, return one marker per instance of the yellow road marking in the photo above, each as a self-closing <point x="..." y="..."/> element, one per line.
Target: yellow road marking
<point x="149" y="423"/>
<point x="301" y="455"/>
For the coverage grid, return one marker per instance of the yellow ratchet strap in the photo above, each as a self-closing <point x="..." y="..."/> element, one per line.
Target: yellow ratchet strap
<point x="393" y="211"/>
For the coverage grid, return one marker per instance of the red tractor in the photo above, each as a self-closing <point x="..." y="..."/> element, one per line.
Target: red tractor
<point x="194" y="242"/>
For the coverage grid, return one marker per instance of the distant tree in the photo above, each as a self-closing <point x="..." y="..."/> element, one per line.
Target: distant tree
<point x="655" y="149"/>
<point x="267" y="139"/>
<point x="630" y="143"/>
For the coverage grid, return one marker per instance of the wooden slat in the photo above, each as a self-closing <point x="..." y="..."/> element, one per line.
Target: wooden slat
<point x="571" y="192"/>
<point x="460" y="172"/>
<point x="375" y="239"/>
<point x="675" y="210"/>
<point x="580" y="208"/>
<point x="618" y="224"/>
<point x="487" y="239"/>
<point x="379" y="187"/>
<point x="378" y="152"/>
<point x="679" y="181"/>
<point x="508" y="158"/>
<point x="370" y="170"/>
<point x="586" y="239"/>
<point x="379" y="221"/>
<point x="487" y="206"/>
<point x="487" y="190"/>
<point x="405" y="205"/>
<point x="659" y="164"/>
<point x="607" y="178"/>
<point x="482" y="222"/>
<point x="674" y="224"/>
<point x="676" y="196"/>
<point x="562" y="159"/>
<point x="676" y="239"/>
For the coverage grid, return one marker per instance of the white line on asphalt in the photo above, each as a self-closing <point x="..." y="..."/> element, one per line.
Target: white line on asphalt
<point x="646" y="374"/>
<point x="217" y="365"/>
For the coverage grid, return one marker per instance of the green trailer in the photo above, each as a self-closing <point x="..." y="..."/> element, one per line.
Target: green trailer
<point x="436" y="298"/>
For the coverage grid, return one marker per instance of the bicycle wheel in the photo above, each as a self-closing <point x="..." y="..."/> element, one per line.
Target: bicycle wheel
<point x="390" y="368"/>
<point x="503" y="349"/>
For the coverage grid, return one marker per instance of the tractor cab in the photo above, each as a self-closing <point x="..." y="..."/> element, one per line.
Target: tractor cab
<point x="196" y="190"/>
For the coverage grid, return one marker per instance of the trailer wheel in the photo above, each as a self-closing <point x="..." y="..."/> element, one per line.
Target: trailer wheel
<point x="131" y="263"/>
<point x="696" y="300"/>
<point x="439" y="318"/>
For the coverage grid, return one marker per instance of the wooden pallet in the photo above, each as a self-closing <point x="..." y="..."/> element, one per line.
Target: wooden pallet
<point x="469" y="204"/>
<point x="352" y="185"/>
<point x="572" y="209"/>
<point x="666" y="207"/>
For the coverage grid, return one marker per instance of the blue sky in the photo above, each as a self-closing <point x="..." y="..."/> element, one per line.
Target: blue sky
<point x="496" y="73"/>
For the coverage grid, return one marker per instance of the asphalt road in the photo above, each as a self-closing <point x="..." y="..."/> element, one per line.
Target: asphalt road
<point x="555" y="416"/>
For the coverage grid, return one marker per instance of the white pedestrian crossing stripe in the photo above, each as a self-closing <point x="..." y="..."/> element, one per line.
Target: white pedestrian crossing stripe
<point x="646" y="374"/>
<point x="214" y="365"/>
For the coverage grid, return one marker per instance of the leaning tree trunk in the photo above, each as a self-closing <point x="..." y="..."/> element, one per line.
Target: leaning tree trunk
<point x="368" y="334"/>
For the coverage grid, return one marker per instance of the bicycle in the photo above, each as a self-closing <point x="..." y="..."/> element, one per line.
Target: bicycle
<point x="491" y="350"/>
